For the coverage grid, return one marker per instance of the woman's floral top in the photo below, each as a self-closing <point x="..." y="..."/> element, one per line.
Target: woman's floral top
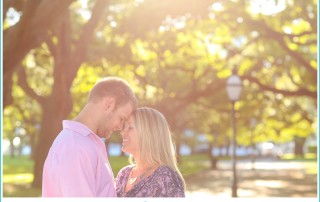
<point x="163" y="182"/>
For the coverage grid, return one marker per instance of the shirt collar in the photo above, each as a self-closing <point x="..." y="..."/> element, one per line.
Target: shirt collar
<point x="77" y="127"/>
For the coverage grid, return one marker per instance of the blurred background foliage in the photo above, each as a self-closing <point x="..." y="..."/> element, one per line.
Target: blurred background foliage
<point x="175" y="54"/>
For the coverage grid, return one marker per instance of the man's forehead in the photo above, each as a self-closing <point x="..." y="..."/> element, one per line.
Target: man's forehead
<point x="126" y="110"/>
<point x="130" y="117"/>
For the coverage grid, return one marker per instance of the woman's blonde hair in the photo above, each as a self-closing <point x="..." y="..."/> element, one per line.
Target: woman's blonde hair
<point x="155" y="139"/>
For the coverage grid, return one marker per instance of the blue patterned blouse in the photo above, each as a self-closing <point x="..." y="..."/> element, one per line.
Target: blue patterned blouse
<point x="163" y="182"/>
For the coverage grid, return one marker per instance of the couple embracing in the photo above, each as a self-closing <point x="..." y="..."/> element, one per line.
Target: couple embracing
<point x="77" y="163"/>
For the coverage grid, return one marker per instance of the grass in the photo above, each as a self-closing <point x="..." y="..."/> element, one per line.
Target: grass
<point x="18" y="172"/>
<point x="306" y="157"/>
<point x="21" y="164"/>
<point x="190" y="164"/>
<point x="309" y="159"/>
<point x="17" y="177"/>
<point x="312" y="170"/>
<point x="193" y="164"/>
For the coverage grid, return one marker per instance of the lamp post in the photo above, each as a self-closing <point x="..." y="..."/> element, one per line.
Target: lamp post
<point x="234" y="86"/>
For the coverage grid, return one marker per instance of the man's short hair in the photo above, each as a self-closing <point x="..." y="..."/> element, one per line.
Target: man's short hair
<point x="114" y="87"/>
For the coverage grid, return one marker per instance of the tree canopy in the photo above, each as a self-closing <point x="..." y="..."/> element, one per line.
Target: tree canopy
<point x="176" y="55"/>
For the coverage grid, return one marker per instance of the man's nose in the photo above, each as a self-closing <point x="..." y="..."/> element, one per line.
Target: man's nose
<point x="122" y="132"/>
<point x="120" y="126"/>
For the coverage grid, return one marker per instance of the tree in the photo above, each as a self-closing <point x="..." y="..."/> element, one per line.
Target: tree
<point x="28" y="33"/>
<point x="177" y="59"/>
<point x="64" y="51"/>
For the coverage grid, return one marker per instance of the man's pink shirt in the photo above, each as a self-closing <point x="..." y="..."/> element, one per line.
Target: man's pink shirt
<point x="77" y="165"/>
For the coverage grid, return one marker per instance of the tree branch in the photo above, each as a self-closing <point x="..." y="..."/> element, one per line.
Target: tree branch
<point x="63" y="53"/>
<point x="300" y="92"/>
<point x="22" y="81"/>
<point x="27" y="34"/>
<point x="300" y="34"/>
<point x="51" y="46"/>
<point x="182" y="102"/>
<point x="86" y="35"/>
<point x="279" y="37"/>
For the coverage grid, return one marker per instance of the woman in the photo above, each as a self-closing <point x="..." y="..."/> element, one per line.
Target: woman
<point x="146" y="136"/>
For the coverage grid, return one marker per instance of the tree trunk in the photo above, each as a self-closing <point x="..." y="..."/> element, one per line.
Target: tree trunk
<point x="298" y="146"/>
<point x="228" y="150"/>
<point x="213" y="159"/>
<point x="11" y="148"/>
<point x="33" y="145"/>
<point x="27" y="34"/>
<point x="192" y="148"/>
<point x="20" y="147"/>
<point x="68" y="57"/>
<point x="253" y="156"/>
<point x="56" y="108"/>
<point x="220" y="151"/>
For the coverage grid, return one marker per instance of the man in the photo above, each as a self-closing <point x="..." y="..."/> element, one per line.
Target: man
<point x="77" y="163"/>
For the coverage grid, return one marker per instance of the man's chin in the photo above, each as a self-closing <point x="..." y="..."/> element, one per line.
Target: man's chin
<point x="107" y="136"/>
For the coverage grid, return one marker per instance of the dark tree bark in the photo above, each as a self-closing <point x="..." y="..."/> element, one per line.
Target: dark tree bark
<point x="213" y="145"/>
<point x="51" y="125"/>
<point x="38" y="16"/>
<point x="12" y="148"/>
<point x="213" y="159"/>
<point x="298" y="146"/>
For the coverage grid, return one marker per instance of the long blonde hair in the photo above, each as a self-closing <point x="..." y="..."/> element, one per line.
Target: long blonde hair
<point x="155" y="139"/>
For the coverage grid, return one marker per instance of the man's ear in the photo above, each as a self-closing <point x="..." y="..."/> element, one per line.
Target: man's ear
<point x="109" y="104"/>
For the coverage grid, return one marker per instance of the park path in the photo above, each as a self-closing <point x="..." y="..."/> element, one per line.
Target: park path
<point x="270" y="178"/>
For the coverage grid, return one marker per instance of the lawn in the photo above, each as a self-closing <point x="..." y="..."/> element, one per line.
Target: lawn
<point x="18" y="172"/>
<point x="308" y="159"/>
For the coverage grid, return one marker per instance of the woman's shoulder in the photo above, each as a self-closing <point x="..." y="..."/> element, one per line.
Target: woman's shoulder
<point x="165" y="168"/>
<point x="166" y="171"/>
<point x="169" y="182"/>
<point x="125" y="169"/>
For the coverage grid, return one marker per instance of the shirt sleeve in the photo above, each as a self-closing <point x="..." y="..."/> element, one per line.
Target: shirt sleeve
<point x="76" y="171"/>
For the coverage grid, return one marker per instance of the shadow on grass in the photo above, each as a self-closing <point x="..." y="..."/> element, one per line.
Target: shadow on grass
<point x="255" y="183"/>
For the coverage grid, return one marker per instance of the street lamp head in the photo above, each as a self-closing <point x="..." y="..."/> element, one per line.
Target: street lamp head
<point x="234" y="87"/>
